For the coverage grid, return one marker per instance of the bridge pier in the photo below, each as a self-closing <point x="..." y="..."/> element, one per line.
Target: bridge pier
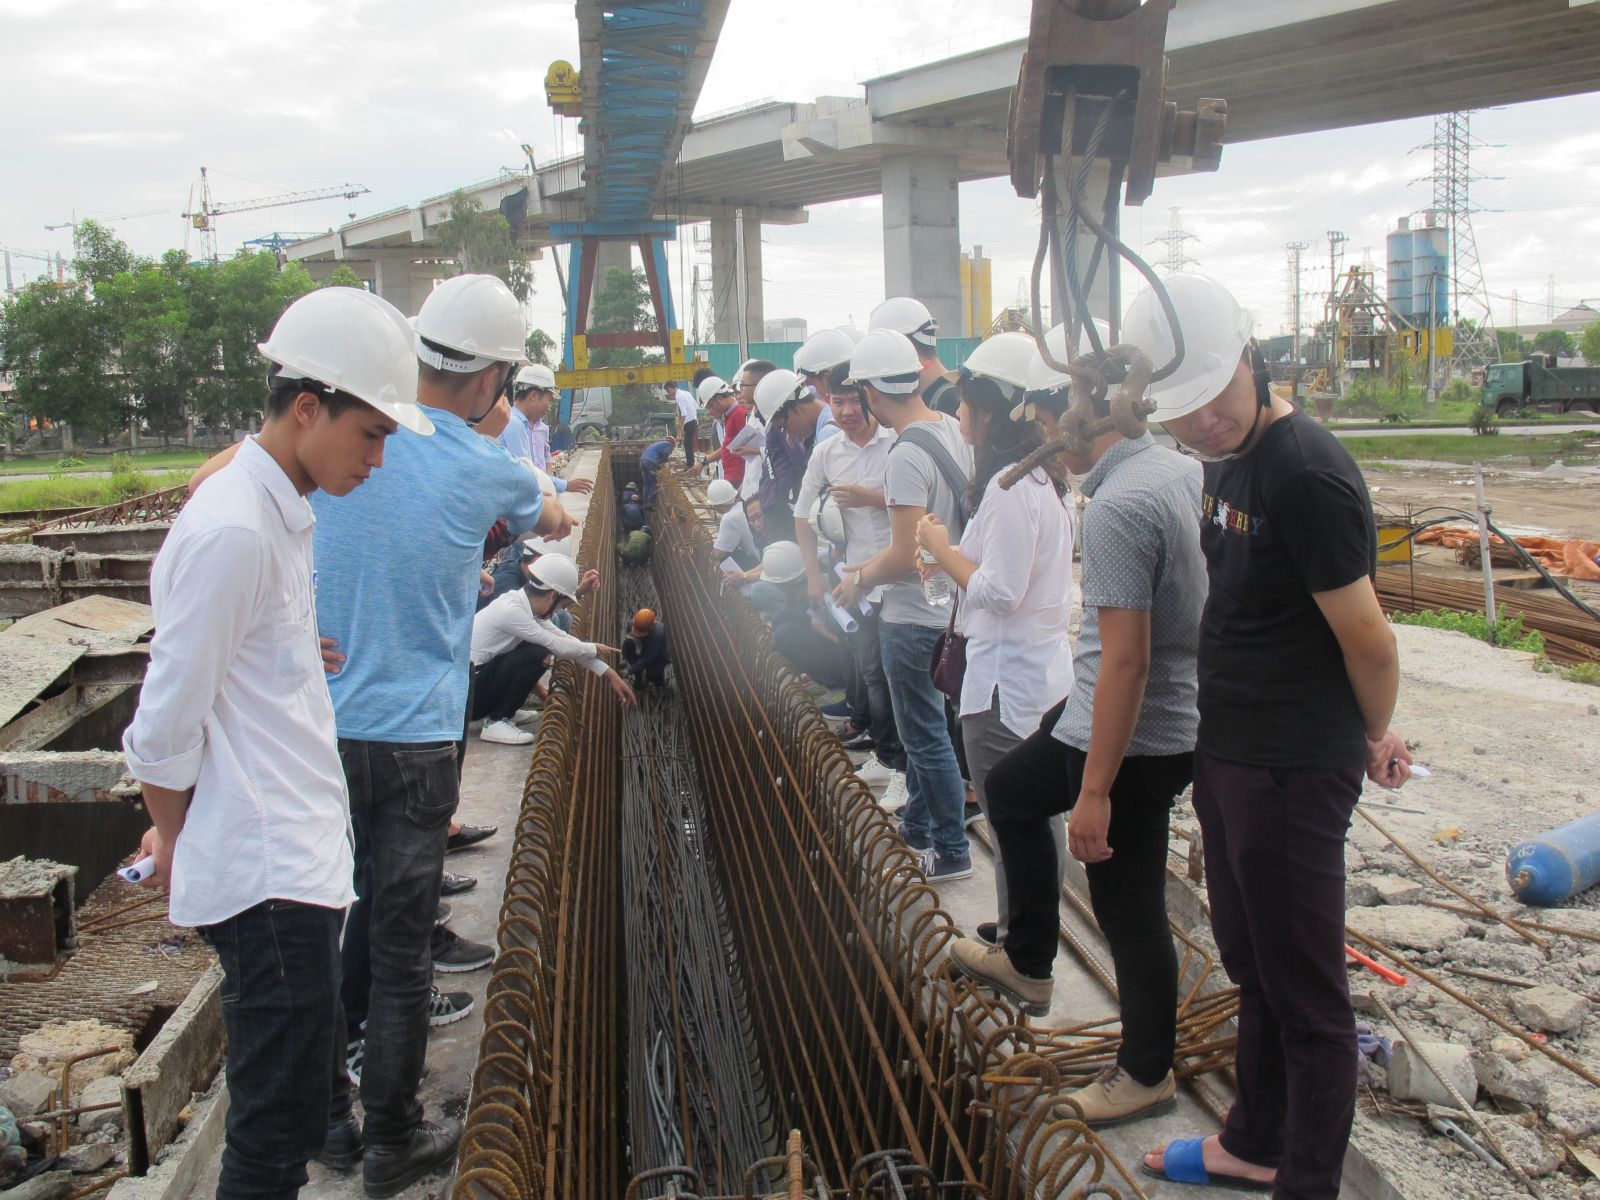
<point x="404" y="284"/>
<point x="1104" y="297"/>
<point x="725" y="284"/>
<point x="921" y="234"/>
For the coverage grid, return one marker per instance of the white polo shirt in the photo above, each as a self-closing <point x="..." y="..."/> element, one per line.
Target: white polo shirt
<point x="735" y="535"/>
<point x="838" y="460"/>
<point x="688" y="409"/>
<point x="235" y="703"/>
<point x="509" y="619"/>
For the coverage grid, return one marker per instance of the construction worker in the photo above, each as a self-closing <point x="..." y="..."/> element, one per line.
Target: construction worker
<point x="514" y="639"/>
<point x="1115" y="754"/>
<point x="528" y="434"/>
<point x="688" y="418"/>
<point x="735" y="541"/>
<point x="848" y="472"/>
<point x="821" y="355"/>
<point x="1297" y="679"/>
<point x="233" y="741"/>
<point x="928" y="470"/>
<point x="651" y="460"/>
<point x="909" y="316"/>
<point x="720" y="400"/>
<point x="813" y="649"/>
<point x="400" y="699"/>
<point x="644" y="651"/>
<point x="1013" y="570"/>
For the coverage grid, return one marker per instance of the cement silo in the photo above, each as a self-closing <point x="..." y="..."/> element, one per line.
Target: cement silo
<point x="1398" y="286"/>
<point x="1430" y="269"/>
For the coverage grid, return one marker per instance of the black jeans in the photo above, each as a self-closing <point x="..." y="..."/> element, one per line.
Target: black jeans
<point x="1128" y="891"/>
<point x="280" y="1001"/>
<point x="500" y="685"/>
<point x="690" y="430"/>
<point x="1274" y="846"/>
<point x="402" y="796"/>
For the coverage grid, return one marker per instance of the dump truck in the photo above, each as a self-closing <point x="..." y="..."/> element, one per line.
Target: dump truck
<point x="1535" y="383"/>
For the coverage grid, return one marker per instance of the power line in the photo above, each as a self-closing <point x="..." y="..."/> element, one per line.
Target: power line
<point x="1176" y="239"/>
<point x="1452" y="176"/>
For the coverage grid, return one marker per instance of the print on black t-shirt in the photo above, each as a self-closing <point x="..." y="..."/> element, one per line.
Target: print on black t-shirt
<point x="1290" y="519"/>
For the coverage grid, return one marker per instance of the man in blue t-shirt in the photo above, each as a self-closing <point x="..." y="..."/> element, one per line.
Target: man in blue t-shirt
<point x="397" y="579"/>
<point x="653" y="458"/>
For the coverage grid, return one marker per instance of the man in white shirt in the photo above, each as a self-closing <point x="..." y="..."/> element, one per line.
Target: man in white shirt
<point x="735" y="541"/>
<point x="513" y="638"/>
<point x="688" y="420"/>
<point x="849" y="470"/>
<point x="233" y="742"/>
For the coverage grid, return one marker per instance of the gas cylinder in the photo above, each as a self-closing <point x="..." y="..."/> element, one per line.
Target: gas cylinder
<point x="1556" y="866"/>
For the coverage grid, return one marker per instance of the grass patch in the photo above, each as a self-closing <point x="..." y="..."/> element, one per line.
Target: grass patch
<point x="158" y="460"/>
<point x="1582" y="673"/>
<point x="1539" y="450"/>
<point x="1509" y="631"/>
<point x="65" y="492"/>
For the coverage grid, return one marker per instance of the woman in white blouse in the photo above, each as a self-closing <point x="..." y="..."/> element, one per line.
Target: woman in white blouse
<point x="1014" y="571"/>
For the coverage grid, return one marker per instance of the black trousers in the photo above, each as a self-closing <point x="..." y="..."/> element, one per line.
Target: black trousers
<point x="280" y="1006"/>
<point x="690" y="429"/>
<point x="500" y="685"/>
<point x="1128" y="891"/>
<point x="1274" y="847"/>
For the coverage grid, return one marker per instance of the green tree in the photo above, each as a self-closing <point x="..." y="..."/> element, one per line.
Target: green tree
<point x="146" y="312"/>
<point x="541" y="348"/>
<point x="482" y="243"/>
<point x="98" y="255"/>
<point x="1556" y="341"/>
<point x="58" y="352"/>
<point x="1589" y="347"/>
<point x="342" y="276"/>
<point x="622" y="305"/>
<point x="1513" y="346"/>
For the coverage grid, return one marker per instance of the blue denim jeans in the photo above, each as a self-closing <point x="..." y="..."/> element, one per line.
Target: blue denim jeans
<point x="280" y="1001"/>
<point x="934" y="813"/>
<point x="402" y="796"/>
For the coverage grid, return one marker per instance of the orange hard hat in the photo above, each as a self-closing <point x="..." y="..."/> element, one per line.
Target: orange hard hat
<point x="644" y="620"/>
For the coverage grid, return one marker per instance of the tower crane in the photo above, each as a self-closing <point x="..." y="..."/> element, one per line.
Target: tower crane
<point x="51" y="261"/>
<point x="204" y="217"/>
<point x="75" y="222"/>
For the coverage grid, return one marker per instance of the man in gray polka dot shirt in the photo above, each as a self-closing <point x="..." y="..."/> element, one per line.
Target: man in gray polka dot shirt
<point x="1116" y="753"/>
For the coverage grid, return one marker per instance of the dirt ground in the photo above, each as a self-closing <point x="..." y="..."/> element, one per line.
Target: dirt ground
<point x="1560" y="501"/>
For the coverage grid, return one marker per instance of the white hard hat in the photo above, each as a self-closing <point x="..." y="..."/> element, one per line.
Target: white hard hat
<point x="851" y="332"/>
<point x="710" y="388"/>
<point x="1215" y="332"/>
<point x="1042" y="377"/>
<point x="775" y="389"/>
<point x="907" y="315"/>
<point x="720" y="492"/>
<point x="539" y="545"/>
<point x="823" y="351"/>
<point x="556" y="573"/>
<point x="1003" y="358"/>
<point x="781" y="563"/>
<point x="349" y="339"/>
<point x="536" y="375"/>
<point x="472" y="314"/>
<point x="829" y="520"/>
<point x="888" y="361"/>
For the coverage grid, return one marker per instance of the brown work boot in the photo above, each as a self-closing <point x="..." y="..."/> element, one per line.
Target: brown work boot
<point x="991" y="966"/>
<point x="1115" y="1097"/>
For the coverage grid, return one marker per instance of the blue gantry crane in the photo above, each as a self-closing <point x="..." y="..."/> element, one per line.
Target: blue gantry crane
<point x="641" y="66"/>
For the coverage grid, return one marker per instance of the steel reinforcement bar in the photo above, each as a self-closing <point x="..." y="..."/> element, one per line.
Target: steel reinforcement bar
<point x="894" y="1077"/>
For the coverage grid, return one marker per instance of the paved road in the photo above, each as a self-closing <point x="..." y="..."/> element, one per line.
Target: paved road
<point x="1512" y="430"/>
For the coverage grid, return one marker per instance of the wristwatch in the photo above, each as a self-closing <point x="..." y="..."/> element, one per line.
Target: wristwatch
<point x="855" y="580"/>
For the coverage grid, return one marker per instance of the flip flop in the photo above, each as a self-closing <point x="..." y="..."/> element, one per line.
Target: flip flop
<point x="1183" y="1161"/>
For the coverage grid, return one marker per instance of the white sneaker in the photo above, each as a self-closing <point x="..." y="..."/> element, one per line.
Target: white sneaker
<point x="874" y="774"/>
<point x="505" y="733"/>
<point x="895" y="796"/>
<point x="526" y="716"/>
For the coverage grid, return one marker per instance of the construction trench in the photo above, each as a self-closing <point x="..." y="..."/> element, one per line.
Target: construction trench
<point x="720" y="970"/>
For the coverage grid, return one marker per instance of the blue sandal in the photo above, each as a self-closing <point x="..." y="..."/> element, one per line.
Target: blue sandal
<point x="1183" y="1161"/>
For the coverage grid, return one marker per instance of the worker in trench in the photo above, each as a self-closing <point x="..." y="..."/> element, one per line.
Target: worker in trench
<point x="234" y="740"/>
<point x="1297" y="680"/>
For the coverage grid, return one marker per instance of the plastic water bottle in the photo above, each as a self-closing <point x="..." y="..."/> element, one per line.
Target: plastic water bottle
<point x="936" y="587"/>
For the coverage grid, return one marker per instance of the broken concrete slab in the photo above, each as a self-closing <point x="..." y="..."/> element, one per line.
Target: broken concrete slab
<point x="1523" y="1146"/>
<point x="107" y="1090"/>
<point x="1412" y="927"/>
<point x="52" y="1185"/>
<point x="182" y="1060"/>
<point x="38" y="916"/>
<point x="52" y="1044"/>
<point x="43" y="777"/>
<point x="87" y="1158"/>
<point x="1410" y="1077"/>
<point x="1502" y="1079"/>
<point x="1396" y="889"/>
<point x="27" y="1093"/>
<point x="1574" y="1113"/>
<point x="1551" y="1008"/>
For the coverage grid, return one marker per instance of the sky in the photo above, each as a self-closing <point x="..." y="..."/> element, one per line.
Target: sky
<point x="108" y="108"/>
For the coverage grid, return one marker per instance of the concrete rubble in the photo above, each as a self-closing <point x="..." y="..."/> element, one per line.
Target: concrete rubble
<point x="1550" y="1008"/>
<point x="1411" y="1073"/>
<point x="52" y="1044"/>
<point x="1408" y="926"/>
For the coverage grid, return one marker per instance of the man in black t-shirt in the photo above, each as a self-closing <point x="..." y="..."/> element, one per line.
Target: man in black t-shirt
<point x="1298" y="676"/>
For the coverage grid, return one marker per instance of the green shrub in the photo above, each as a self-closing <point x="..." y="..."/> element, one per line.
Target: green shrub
<point x="66" y="462"/>
<point x="127" y="480"/>
<point x="1509" y="631"/>
<point x="1482" y="423"/>
<point x="1583" y="673"/>
<point x="1458" y="391"/>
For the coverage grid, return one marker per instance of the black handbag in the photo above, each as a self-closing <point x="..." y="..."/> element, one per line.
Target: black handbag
<point x="949" y="665"/>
